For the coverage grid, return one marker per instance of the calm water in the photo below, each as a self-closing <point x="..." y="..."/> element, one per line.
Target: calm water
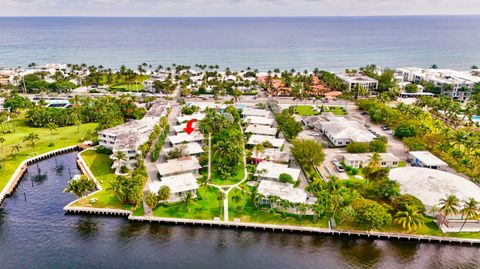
<point x="332" y="43"/>
<point x="36" y="234"/>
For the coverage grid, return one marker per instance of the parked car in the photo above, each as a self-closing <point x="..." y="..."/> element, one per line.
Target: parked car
<point x="364" y="113"/>
<point x="338" y="165"/>
<point x="385" y="127"/>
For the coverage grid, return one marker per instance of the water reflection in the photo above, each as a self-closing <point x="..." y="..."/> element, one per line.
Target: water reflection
<point x="87" y="228"/>
<point x="3" y="216"/>
<point x="59" y="169"/>
<point x="129" y="230"/>
<point x="158" y="231"/>
<point x="360" y="252"/>
<point x="403" y="251"/>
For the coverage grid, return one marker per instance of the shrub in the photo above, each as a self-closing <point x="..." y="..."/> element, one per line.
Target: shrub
<point x="123" y="169"/>
<point x="286" y="178"/>
<point x="358" y="147"/>
<point x="378" y="145"/>
<point x="103" y="150"/>
<point x="370" y="214"/>
<point x="401" y="202"/>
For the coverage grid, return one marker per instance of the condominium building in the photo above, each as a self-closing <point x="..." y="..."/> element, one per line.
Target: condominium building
<point x="354" y="79"/>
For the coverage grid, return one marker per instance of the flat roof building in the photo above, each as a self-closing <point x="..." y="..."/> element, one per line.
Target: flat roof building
<point x="258" y="120"/>
<point x="261" y="130"/>
<point x="179" y="166"/>
<point x="273" y="155"/>
<point x="285" y="191"/>
<point x="354" y="79"/>
<point x="260" y="139"/>
<point x="255" y="112"/>
<point x="342" y="132"/>
<point x="179" y="185"/>
<point x="186" y="138"/>
<point x="186" y="118"/>
<point x="189" y="149"/>
<point x="427" y="159"/>
<point x="272" y="171"/>
<point x="363" y="159"/>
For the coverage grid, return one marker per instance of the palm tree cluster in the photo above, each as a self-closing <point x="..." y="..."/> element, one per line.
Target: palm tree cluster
<point x="452" y="206"/>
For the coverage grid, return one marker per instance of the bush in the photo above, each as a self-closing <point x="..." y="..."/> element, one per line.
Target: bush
<point x="401" y="202"/>
<point x="358" y="147"/>
<point x="370" y="214"/>
<point x="405" y="129"/>
<point x="123" y="169"/>
<point x="286" y="178"/>
<point x="103" y="150"/>
<point x="378" y="145"/>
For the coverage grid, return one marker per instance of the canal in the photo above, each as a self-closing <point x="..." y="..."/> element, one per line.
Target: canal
<point x="34" y="233"/>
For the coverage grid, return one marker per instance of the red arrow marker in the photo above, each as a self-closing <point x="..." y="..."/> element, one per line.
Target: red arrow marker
<point x="189" y="129"/>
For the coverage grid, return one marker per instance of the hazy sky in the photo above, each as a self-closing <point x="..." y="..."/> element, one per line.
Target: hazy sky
<point x="160" y="8"/>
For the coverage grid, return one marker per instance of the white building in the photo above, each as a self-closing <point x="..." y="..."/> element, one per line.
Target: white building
<point x="284" y="191"/>
<point x="258" y="120"/>
<point x="363" y="159"/>
<point x="179" y="166"/>
<point x="273" y="155"/>
<point x="179" y="185"/>
<point x="354" y="79"/>
<point x="181" y="138"/>
<point x="128" y="137"/>
<point x="260" y="139"/>
<point x="428" y="160"/>
<point x="181" y="128"/>
<point x="186" y="118"/>
<point x="342" y="132"/>
<point x="261" y="130"/>
<point x="272" y="171"/>
<point x="255" y="112"/>
<point x="189" y="149"/>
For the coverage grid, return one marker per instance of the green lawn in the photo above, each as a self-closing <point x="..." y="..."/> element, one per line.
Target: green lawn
<point x="308" y="110"/>
<point x="218" y="180"/>
<point x="100" y="165"/>
<point x="205" y="206"/>
<point x="245" y="210"/>
<point x="62" y="137"/>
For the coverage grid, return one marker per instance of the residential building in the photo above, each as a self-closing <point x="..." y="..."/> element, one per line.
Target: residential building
<point x="272" y="171"/>
<point x="341" y="131"/>
<point x="255" y="112"/>
<point x="284" y="191"/>
<point x="363" y="159"/>
<point x="261" y="130"/>
<point x="427" y="160"/>
<point x="189" y="149"/>
<point x="179" y="166"/>
<point x="260" y="139"/>
<point x="258" y="120"/>
<point x="179" y="185"/>
<point x="354" y="79"/>
<point x="182" y="138"/>
<point x="186" y="118"/>
<point x="272" y="155"/>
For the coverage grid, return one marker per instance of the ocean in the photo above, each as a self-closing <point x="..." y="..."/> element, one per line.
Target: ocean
<point x="331" y="43"/>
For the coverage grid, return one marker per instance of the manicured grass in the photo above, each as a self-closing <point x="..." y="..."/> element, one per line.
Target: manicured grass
<point x="218" y="180"/>
<point x="62" y="137"/>
<point x="205" y="206"/>
<point x="100" y="165"/>
<point x="245" y="210"/>
<point x="308" y="110"/>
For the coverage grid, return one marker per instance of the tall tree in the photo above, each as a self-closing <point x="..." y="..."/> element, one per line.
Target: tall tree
<point x="32" y="137"/>
<point x="469" y="210"/>
<point x="449" y="206"/>
<point x="80" y="186"/>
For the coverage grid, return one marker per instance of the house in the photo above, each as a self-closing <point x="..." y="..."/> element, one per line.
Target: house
<point x="179" y="166"/>
<point x="427" y="159"/>
<point x="363" y="159"/>
<point x="354" y="79"/>
<point x="255" y="112"/>
<point x="311" y="121"/>
<point x="181" y="138"/>
<point x="342" y="132"/>
<point x="258" y="120"/>
<point x="181" y="128"/>
<point x="273" y="155"/>
<point x="261" y="130"/>
<point x="260" y="139"/>
<point x="179" y="185"/>
<point x="272" y="171"/>
<point x="186" y="118"/>
<point x="189" y="149"/>
<point x="285" y="191"/>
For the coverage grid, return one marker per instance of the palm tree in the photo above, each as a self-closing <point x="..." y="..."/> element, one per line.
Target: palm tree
<point x="15" y="150"/>
<point x="151" y="200"/>
<point x="120" y="156"/>
<point x="258" y="148"/>
<point x="302" y="209"/>
<point x="188" y="200"/>
<point x="469" y="210"/>
<point x="375" y="161"/>
<point x="410" y="218"/>
<point x="204" y="180"/>
<point x="52" y="127"/>
<point x="2" y="140"/>
<point x="449" y="206"/>
<point x="32" y="137"/>
<point x="80" y="186"/>
<point x="257" y="199"/>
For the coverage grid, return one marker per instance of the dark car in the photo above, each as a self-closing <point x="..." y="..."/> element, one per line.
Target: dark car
<point x="364" y="113"/>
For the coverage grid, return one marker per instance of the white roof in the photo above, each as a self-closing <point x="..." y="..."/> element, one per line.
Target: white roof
<point x="430" y="185"/>
<point x="185" y="118"/>
<point x="273" y="155"/>
<point x="186" y="138"/>
<point x="176" y="166"/>
<point x="274" y="170"/>
<point x="255" y="112"/>
<point x="347" y="129"/>
<point x="428" y="158"/>
<point x="180" y="128"/>
<point x="355" y="78"/>
<point x="178" y="183"/>
<point x="261" y="130"/>
<point x="285" y="191"/>
<point x="188" y="149"/>
<point x="258" y="120"/>
<point x="259" y="139"/>
<point x="366" y="157"/>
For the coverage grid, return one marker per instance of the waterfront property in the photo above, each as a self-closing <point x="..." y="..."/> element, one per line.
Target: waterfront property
<point x="179" y="185"/>
<point x="427" y="159"/>
<point x="354" y="79"/>
<point x="258" y="120"/>
<point x="182" y="138"/>
<point x="188" y="164"/>
<point x="285" y="191"/>
<point x="260" y="139"/>
<point x="363" y="159"/>
<point x="272" y="171"/>
<point x="341" y="131"/>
